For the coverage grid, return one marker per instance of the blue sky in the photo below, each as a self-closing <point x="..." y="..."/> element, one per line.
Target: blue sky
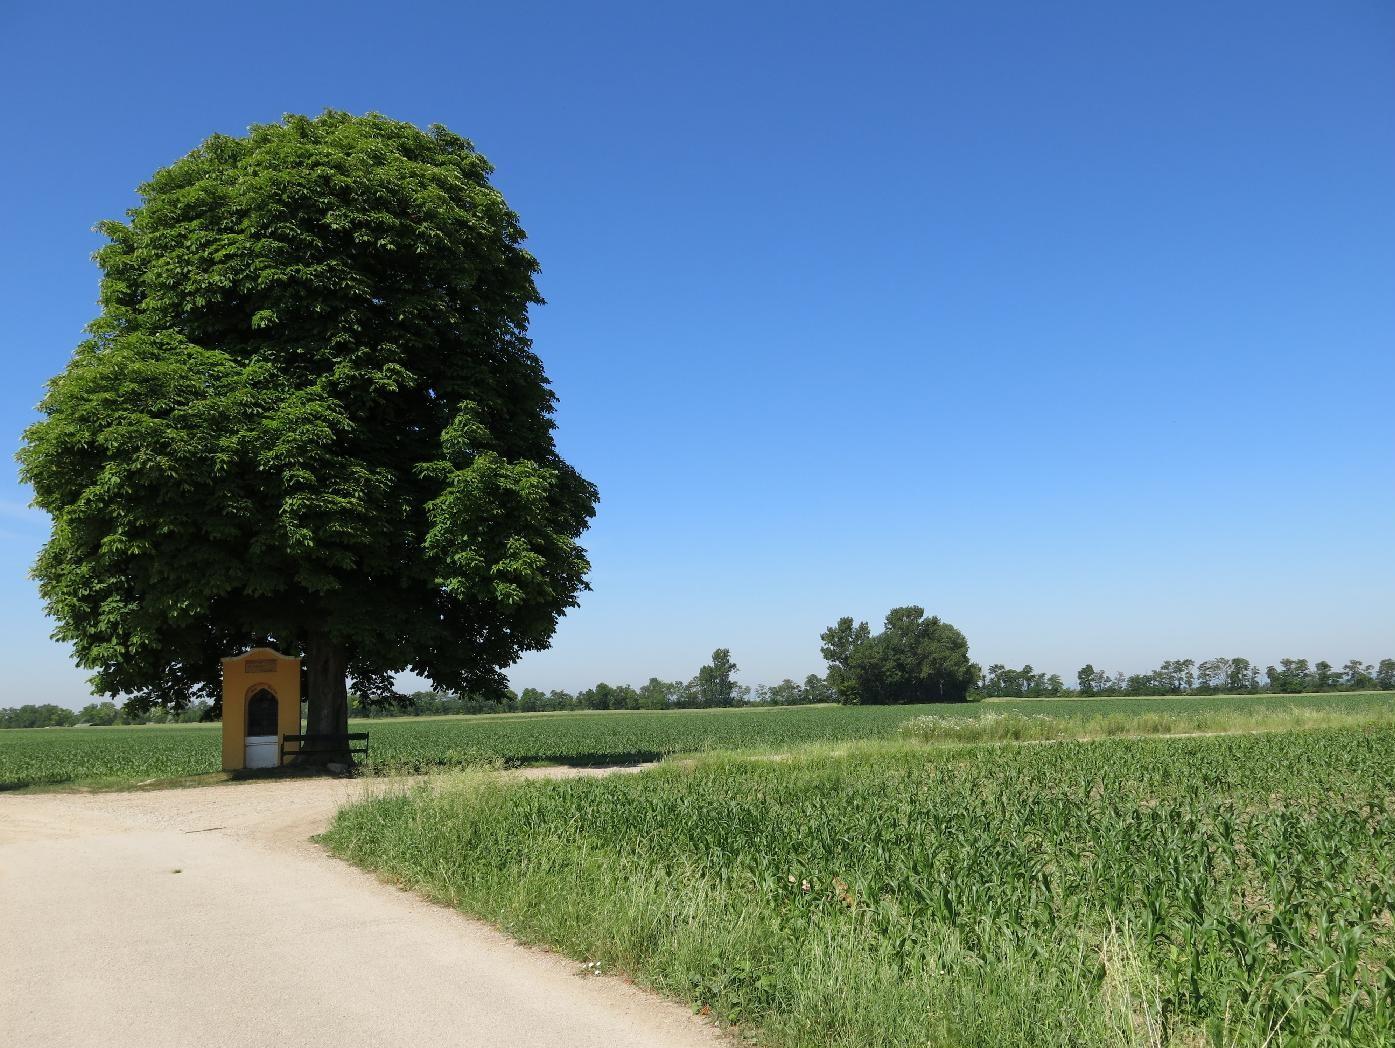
<point x="1073" y="323"/>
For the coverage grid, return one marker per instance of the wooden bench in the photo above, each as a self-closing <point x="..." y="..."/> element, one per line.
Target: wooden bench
<point x="320" y="745"/>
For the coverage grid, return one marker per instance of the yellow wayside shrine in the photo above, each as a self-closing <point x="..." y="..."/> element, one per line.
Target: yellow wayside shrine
<point x="261" y="703"/>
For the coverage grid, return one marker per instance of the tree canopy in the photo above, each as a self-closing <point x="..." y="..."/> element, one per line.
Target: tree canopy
<point x="309" y="415"/>
<point x="715" y="683"/>
<point x="913" y="659"/>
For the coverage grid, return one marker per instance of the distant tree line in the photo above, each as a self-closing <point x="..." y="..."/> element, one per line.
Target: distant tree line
<point x="1219" y="676"/>
<point x="103" y="714"/>
<point x="914" y="658"/>
<point x="713" y="686"/>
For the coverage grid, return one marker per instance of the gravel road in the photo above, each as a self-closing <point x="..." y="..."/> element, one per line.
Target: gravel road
<point x="206" y="917"/>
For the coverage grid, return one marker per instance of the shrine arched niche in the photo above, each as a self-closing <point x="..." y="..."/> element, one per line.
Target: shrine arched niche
<point x="263" y="711"/>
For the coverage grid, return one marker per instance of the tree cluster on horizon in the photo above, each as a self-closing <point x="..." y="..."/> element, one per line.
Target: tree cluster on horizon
<point x="913" y="659"/>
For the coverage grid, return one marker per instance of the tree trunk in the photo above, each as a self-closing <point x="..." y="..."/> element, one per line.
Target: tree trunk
<point x="327" y="713"/>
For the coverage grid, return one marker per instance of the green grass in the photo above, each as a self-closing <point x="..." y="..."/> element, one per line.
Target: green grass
<point x="1226" y="890"/>
<point x="128" y="755"/>
<point x="1014" y="725"/>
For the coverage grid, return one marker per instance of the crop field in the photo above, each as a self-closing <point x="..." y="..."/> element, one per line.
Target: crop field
<point x="136" y="754"/>
<point x="1227" y="890"/>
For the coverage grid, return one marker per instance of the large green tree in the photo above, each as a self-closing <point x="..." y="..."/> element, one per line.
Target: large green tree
<point x="309" y="415"/>
<point x="715" y="683"/>
<point x="913" y="659"/>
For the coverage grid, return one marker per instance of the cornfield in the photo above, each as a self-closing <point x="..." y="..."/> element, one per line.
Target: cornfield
<point x="63" y="755"/>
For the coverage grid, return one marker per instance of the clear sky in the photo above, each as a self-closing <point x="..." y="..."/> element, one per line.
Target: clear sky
<point x="1073" y="323"/>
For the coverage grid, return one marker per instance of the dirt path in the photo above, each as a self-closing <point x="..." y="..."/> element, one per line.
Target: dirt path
<point x="205" y="917"/>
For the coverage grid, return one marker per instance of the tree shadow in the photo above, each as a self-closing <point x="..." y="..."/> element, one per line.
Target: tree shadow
<point x="629" y="758"/>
